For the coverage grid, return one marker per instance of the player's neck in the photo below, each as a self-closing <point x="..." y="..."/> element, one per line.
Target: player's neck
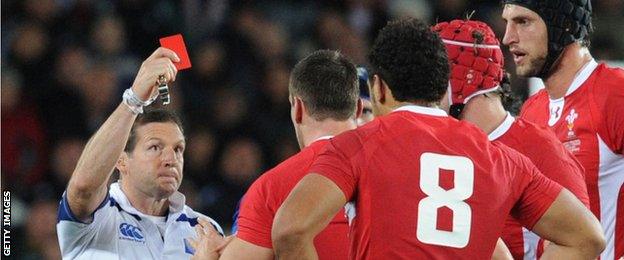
<point x="327" y="127"/>
<point x="145" y="203"/>
<point x="393" y="105"/>
<point x="487" y="113"/>
<point x="573" y="59"/>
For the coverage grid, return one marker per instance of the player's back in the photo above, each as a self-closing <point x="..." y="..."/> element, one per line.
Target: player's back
<point x="431" y="187"/>
<point x="542" y="147"/>
<point x="266" y="195"/>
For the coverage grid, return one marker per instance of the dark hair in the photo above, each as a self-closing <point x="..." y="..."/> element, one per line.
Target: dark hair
<point x="327" y="82"/>
<point x="151" y="116"/>
<point x="412" y="60"/>
<point x="507" y="97"/>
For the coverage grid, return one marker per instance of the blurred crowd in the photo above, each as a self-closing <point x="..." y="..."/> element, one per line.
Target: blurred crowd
<point x="65" y="64"/>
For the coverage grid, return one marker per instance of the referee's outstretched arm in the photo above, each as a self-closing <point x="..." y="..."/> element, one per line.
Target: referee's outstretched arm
<point x="88" y="185"/>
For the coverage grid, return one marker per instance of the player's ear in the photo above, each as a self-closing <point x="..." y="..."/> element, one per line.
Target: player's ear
<point x="359" y="108"/>
<point x="379" y="89"/>
<point x="299" y="109"/>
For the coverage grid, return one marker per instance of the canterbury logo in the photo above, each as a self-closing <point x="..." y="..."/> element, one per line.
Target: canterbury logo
<point x="131" y="232"/>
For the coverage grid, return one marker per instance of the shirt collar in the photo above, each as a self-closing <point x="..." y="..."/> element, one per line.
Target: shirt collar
<point x="502" y="128"/>
<point x="582" y="76"/>
<point x="432" y="111"/>
<point x="176" y="200"/>
<point x="325" y="137"/>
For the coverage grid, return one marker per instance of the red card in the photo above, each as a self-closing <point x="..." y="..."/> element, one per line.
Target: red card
<point x="176" y="44"/>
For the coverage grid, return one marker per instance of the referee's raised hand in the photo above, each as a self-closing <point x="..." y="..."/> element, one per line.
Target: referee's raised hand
<point x="145" y="84"/>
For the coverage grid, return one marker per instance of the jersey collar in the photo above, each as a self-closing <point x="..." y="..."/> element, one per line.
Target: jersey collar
<point x="325" y="137"/>
<point x="582" y="76"/>
<point x="432" y="111"/>
<point x="502" y="128"/>
<point x="176" y="200"/>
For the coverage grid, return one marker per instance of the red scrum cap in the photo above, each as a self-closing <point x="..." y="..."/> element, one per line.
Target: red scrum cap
<point x="475" y="60"/>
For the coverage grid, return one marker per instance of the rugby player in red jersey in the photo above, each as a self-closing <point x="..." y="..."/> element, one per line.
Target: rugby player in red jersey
<point x="324" y="97"/>
<point x="425" y="185"/>
<point x="582" y="101"/>
<point x="480" y="93"/>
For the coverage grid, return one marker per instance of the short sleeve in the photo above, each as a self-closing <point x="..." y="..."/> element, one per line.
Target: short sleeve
<point x="334" y="165"/>
<point x="613" y="117"/>
<point x="75" y="236"/>
<point x="559" y="164"/>
<point x="536" y="197"/>
<point x="66" y="214"/>
<point x="255" y="217"/>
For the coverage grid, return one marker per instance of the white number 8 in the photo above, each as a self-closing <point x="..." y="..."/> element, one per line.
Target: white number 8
<point x="437" y="197"/>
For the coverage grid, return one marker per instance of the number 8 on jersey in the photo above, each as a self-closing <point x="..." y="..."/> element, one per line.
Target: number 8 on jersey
<point x="437" y="197"/>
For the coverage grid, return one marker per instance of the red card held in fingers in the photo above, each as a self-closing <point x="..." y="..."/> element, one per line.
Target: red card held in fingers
<point x="176" y="44"/>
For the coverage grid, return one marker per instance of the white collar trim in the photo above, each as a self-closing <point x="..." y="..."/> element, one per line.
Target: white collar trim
<point x="176" y="200"/>
<point x="502" y="128"/>
<point x="582" y="76"/>
<point x="325" y="137"/>
<point x="432" y="111"/>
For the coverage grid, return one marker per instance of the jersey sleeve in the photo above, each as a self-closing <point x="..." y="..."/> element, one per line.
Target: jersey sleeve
<point x="255" y="217"/>
<point x="536" y="195"/>
<point x="336" y="166"/>
<point x="74" y="235"/>
<point x="613" y="114"/>
<point x="558" y="164"/>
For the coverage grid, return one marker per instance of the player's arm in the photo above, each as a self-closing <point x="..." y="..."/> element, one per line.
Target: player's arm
<point x="501" y="252"/>
<point x="308" y="209"/>
<point x="573" y="230"/>
<point x="87" y="187"/>
<point x="241" y="249"/>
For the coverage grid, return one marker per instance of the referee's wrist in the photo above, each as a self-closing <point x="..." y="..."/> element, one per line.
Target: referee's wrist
<point x="134" y="103"/>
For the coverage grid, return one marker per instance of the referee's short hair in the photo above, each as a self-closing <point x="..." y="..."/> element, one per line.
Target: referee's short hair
<point x="158" y="115"/>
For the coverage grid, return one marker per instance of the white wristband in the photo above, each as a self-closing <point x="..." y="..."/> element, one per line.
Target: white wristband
<point x="135" y="103"/>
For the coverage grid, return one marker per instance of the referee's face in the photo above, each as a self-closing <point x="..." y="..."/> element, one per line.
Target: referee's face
<point x="155" y="165"/>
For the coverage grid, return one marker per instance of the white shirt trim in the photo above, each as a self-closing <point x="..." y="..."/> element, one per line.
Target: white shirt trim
<point x="325" y="137"/>
<point x="502" y="128"/>
<point x="581" y="77"/>
<point x="483" y="91"/>
<point x="432" y="111"/>
<point x="176" y="200"/>
<point x="465" y="44"/>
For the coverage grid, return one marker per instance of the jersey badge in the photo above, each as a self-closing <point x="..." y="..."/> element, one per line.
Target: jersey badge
<point x="131" y="233"/>
<point x="572" y="143"/>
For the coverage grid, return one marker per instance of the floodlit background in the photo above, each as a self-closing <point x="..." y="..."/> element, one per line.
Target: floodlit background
<point x="65" y="64"/>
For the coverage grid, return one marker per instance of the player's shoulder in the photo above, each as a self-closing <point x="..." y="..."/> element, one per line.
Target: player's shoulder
<point x="533" y="133"/>
<point x="538" y="138"/>
<point x="609" y="76"/>
<point x="541" y="97"/>
<point x="509" y="158"/>
<point x="292" y="168"/>
<point x="352" y="141"/>
<point x="607" y="86"/>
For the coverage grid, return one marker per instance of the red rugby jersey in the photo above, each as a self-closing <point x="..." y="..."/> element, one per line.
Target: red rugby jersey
<point x="267" y="194"/>
<point x="589" y="121"/>
<point x="542" y="147"/>
<point x="427" y="186"/>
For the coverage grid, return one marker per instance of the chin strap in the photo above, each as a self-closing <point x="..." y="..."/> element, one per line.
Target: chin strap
<point x="456" y="110"/>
